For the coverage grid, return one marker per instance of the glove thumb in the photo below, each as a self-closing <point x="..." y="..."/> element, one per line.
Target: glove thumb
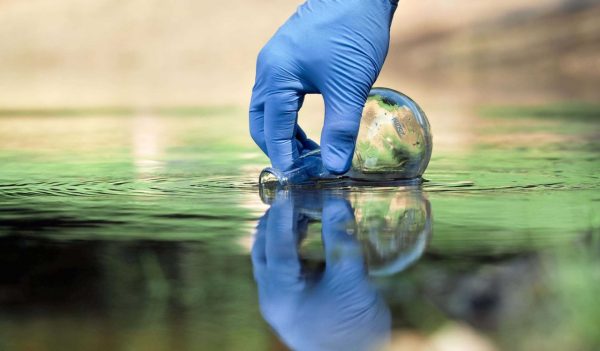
<point x="340" y="130"/>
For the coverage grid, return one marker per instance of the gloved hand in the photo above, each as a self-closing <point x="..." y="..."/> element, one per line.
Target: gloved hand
<point x="332" y="47"/>
<point x="338" y="309"/>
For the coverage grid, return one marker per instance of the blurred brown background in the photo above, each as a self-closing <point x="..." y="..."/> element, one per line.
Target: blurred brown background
<point x="144" y="53"/>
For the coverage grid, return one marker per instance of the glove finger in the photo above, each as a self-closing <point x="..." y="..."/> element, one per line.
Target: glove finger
<point x="304" y="143"/>
<point x="257" y="121"/>
<point x="281" y="114"/>
<point x="345" y="90"/>
<point x="339" y="136"/>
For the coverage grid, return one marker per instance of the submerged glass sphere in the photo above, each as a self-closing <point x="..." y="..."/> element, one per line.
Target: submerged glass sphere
<point x="394" y="140"/>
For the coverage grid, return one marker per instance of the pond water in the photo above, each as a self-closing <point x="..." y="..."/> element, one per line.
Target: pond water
<point x="145" y="230"/>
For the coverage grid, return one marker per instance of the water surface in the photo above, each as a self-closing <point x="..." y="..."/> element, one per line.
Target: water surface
<point x="137" y="230"/>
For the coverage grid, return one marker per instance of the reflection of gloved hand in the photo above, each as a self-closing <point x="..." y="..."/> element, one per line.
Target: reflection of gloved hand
<point x="336" y="310"/>
<point x="332" y="47"/>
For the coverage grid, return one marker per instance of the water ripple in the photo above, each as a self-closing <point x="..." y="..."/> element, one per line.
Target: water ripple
<point x="155" y="186"/>
<point x="194" y="185"/>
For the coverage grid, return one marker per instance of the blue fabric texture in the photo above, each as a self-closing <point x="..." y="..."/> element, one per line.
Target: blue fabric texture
<point x="335" y="48"/>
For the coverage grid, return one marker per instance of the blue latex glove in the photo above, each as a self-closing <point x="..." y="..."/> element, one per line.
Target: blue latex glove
<point x="338" y="309"/>
<point x="331" y="47"/>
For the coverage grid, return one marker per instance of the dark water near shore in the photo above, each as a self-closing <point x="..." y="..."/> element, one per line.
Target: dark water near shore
<point x="137" y="231"/>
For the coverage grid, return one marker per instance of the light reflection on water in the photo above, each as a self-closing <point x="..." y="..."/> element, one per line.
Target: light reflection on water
<point x="137" y="232"/>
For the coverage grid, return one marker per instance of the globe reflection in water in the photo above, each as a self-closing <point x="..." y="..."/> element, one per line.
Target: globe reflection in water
<point x="393" y="228"/>
<point x="394" y="141"/>
<point x="392" y="225"/>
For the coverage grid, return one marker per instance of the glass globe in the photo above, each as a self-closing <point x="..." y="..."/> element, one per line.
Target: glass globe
<point x="394" y="143"/>
<point x="394" y="140"/>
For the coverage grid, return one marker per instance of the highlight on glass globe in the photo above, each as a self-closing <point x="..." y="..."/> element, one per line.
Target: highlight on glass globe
<point x="394" y="141"/>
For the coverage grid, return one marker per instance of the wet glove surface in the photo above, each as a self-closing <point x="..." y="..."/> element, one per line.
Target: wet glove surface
<point x="331" y="47"/>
